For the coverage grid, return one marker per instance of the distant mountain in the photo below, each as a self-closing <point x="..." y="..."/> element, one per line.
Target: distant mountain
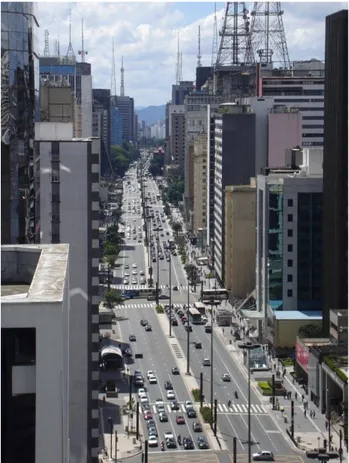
<point x="139" y="107"/>
<point x="151" y="113"/>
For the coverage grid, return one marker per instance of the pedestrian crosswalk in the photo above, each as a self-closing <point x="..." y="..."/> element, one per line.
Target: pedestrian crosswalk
<point x="222" y="408"/>
<point x="162" y="287"/>
<point x="145" y="305"/>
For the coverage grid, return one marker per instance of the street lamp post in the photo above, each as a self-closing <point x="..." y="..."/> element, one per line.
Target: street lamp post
<point x="170" y="284"/>
<point x="157" y="266"/>
<point x="188" y="328"/>
<point x="110" y="420"/>
<point x="249" y="346"/>
<point x="212" y="304"/>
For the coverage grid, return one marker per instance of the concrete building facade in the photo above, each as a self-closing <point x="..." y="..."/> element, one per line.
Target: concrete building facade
<point x="125" y="105"/>
<point x="67" y="176"/>
<point x="240" y="240"/>
<point x="200" y="183"/>
<point x="102" y="126"/>
<point x="289" y="241"/>
<point x="116" y="127"/>
<point x="235" y="155"/>
<point x="35" y="342"/>
<point x="180" y="91"/>
<point x="176" y="135"/>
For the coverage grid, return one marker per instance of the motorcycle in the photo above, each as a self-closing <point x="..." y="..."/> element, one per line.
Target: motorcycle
<point x="236" y="395"/>
<point x="162" y="446"/>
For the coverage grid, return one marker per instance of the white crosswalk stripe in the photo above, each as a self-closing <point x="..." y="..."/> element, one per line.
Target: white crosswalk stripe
<point x="240" y="408"/>
<point x="135" y="306"/>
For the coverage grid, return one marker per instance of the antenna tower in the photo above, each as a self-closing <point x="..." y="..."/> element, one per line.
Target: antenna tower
<point x="234" y="35"/>
<point x="181" y="67"/>
<point x="70" y="51"/>
<point x="199" y="50"/>
<point x="122" y="84"/>
<point x="214" y="39"/>
<point x="47" y="43"/>
<point x="178" y="62"/>
<point x="55" y="47"/>
<point x="113" y="73"/>
<point x="82" y="52"/>
<point x="58" y="48"/>
<point x="268" y="38"/>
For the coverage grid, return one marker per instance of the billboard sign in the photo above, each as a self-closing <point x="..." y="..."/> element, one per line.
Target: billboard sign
<point x="302" y="355"/>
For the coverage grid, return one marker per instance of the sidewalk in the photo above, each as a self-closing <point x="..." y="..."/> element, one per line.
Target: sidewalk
<point x="309" y="432"/>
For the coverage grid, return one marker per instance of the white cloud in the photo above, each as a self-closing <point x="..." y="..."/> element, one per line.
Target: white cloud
<point x="145" y="34"/>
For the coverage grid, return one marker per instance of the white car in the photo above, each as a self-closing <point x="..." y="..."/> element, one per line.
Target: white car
<point x="126" y="281"/>
<point x="168" y="435"/>
<point x="134" y="272"/>
<point x="141" y="272"/>
<point x="134" y="281"/>
<point x="153" y="441"/>
<point x="159" y="402"/>
<point x="152" y="379"/>
<point x="134" y="265"/>
<point x="188" y="404"/>
<point x="142" y="392"/>
<point x="144" y="399"/>
<point x="204" y="319"/>
<point x="150" y="373"/>
<point x="127" y="274"/>
<point x="170" y="395"/>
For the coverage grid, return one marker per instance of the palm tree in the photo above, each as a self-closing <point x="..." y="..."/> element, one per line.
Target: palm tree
<point x="112" y="298"/>
<point x="110" y="261"/>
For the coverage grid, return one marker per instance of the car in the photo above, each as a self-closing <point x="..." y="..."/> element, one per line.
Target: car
<point x="150" y="373"/>
<point x="142" y="391"/>
<point x="188" y="443"/>
<point x="263" y="455"/>
<point x="171" y="444"/>
<point x="204" y="319"/>
<point x="126" y="282"/>
<point x="139" y="381"/>
<point x="208" y="329"/>
<point x="226" y="377"/>
<point x="160" y="408"/>
<point x="127" y="274"/>
<point x="197" y="427"/>
<point x="180" y="419"/>
<point x="164" y="296"/>
<point x="153" y="441"/>
<point x="170" y="395"/>
<point x="168" y="435"/>
<point x="132" y="338"/>
<point x="198" y="345"/>
<point x="174" y="322"/>
<point x="151" y="424"/>
<point x="134" y="272"/>
<point x="159" y="402"/>
<point x="134" y="281"/>
<point x="175" y="370"/>
<point x="191" y="413"/>
<point x="144" y="399"/>
<point x="163" y="417"/>
<point x="188" y="328"/>
<point x="144" y="322"/>
<point x="188" y="404"/>
<point x="202" y="443"/>
<point x="127" y="353"/>
<point x="148" y="328"/>
<point x="126" y="266"/>
<point x="152" y="431"/>
<point x="152" y="379"/>
<point x="168" y="385"/>
<point x="141" y="272"/>
<point x="174" y="405"/>
<point x="147" y="415"/>
<point x="138" y="373"/>
<point x="206" y="362"/>
<point x="134" y="265"/>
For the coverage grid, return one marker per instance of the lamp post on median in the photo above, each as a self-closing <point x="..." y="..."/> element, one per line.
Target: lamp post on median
<point x="170" y="284"/>
<point x="249" y="346"/>
<point x="188" y="328"/>
<point x="110" y="420"/>
<point x="157" y="266"/>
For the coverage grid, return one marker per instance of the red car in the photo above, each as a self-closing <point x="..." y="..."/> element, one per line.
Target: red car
<point x="180" y="419"/>
<point x="147" y="415"/>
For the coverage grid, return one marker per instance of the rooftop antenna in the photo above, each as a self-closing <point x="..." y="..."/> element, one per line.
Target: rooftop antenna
<point x="58" y="49"/>
<point x="70" y="51"/>
<point x="181" y="67"/>
<point x="55" y="47"/>
<point x="122" y="84"/>
<point x="178" y="63"/>
<point x="82" y="52"/>
<point x="214" y="39"/>
<point x="199" y="51"/>
<point x="113" y="73"/>
<point x="47" y="43"/>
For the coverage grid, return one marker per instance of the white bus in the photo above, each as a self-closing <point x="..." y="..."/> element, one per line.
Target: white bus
<point x="194" y="316"/>
<point x="200" y="307"/>
<point x="214" y="294"/>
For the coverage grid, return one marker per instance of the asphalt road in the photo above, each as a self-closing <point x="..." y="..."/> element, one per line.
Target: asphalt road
<point x="158" y="358"/>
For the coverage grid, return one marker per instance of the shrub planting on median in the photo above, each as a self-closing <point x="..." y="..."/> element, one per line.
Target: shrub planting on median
<point x="196" y="394"/>
<point x="265" y="387"/>
<point x="160" y="308"/>
<point x="206" y="414"/>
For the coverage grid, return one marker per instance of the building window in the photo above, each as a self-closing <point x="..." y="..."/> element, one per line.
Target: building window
<point x="289" y="217"/>
<point x="290" y="202"/>
<point x="290" y="233"/>
<point x="289" y="293"/>
<point x="289" y="263"/>
<point x="289" y="278"/>
<point x="290" y="248"/>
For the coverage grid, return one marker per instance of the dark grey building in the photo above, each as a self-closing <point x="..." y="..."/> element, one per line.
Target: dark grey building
<point x="335" y="166"/>
<point x="203" y="73"/>
<point x="125" y="105"/>
<point x="101" y="126"/>
<point x="234" y="164"/>
<point x="19" y="109"/>
<point x="180" y="91"/>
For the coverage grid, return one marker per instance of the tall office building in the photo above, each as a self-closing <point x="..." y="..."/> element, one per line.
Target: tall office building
<point x="125" y="105"/>
<point x="116" y="127"/>
<point x="67" y="175"/>
<point x="235" y="158"/>
<point x="19" y="110"/>
<point x="335" y="224"/>
<point x="102" y="125"/>
<point x="200" y="184"/>
<point x="176" y="134"/>
<point x="180" y="91"/>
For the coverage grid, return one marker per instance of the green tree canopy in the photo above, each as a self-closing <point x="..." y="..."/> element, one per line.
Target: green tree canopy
<point x="177" y="227"/>
<point x="112" y="298"/>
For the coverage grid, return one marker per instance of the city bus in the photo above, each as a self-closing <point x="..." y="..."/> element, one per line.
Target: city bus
<point x="200" y="307"/>
<point x="194" y="316"/>
<point x="214" y="294"/>
<point x="140" y="292"/>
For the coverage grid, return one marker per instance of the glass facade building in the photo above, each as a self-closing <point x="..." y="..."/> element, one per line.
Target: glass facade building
<point x="19" y="110"/>
<point x="116" y="127"/>
<point x="275" y="241"/>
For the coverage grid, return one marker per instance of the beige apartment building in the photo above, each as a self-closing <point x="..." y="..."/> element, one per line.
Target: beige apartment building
<point x="200" y="183"/>
<point x="240" y="239"/>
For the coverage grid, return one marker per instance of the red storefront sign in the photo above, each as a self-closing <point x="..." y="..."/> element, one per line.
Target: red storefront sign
<point x="302" y="354"/>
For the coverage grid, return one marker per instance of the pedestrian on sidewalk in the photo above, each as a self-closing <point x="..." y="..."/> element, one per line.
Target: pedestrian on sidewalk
<point x="296" y="395"/>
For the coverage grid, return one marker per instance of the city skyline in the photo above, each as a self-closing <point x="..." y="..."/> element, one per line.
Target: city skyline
<point x="148" y="42"/>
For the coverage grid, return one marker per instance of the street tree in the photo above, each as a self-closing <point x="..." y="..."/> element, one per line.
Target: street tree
<point x="112" y="298"/>
<point x="177" y="227"/>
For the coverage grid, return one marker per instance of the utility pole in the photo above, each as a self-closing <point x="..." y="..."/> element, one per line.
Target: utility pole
<point x="170" y="284"/>
<point x="188" y="328"/>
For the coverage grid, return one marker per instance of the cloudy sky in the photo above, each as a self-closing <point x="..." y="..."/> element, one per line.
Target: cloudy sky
<point x="145" y="34"/>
